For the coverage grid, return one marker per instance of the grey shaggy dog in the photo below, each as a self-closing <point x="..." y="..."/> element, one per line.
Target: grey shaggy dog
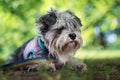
<point x="60" y="34"/>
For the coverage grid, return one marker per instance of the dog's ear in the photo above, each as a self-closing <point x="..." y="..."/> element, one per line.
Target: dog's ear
<point x="45" y="21"/>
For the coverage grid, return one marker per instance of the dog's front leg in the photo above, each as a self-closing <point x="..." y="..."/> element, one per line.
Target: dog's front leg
<point x="51" y="67"/>
<point x="77" y="64"/>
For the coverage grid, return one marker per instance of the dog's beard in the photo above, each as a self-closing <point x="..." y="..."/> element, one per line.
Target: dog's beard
<point x="63" y="47"/>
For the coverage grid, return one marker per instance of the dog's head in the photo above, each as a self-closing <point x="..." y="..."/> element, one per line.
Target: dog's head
<point x="60" y="32"/>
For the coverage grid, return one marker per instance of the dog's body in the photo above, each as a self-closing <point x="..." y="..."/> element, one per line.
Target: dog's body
<point x="59" y="32"/>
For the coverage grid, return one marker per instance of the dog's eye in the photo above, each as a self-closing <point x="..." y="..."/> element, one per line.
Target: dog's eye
<point x="61" y="28"/>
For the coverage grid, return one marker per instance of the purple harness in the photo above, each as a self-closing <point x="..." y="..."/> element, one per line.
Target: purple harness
<point x="39" y="53"/>
<point x="36" y="48"/>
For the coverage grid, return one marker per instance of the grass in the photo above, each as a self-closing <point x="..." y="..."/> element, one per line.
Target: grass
<point x="102" y="65"/>
<point x="98" y="54"/>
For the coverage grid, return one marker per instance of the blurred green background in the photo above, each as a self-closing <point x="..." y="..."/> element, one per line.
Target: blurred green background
<point x="100" y="19"/>
<point x="100" y="32"/>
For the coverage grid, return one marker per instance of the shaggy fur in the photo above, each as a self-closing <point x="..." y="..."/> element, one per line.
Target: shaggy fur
<point x="60" y="33"/>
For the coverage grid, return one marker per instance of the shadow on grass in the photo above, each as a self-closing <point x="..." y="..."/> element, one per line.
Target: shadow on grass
<point x="107" y="69"/>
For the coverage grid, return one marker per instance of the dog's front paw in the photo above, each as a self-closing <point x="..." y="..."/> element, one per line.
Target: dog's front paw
<point x="78" y="65"/>
<point x="81" y="67"/>
<point x="51" y="67"/>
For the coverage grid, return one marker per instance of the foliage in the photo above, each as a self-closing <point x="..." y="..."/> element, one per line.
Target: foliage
<point x="17" y="19"/>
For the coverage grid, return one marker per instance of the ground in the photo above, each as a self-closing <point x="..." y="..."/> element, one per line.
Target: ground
<point x="102" y="65"/>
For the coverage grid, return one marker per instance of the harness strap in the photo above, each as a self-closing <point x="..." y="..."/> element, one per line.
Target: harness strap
<point x="35" y="47"/>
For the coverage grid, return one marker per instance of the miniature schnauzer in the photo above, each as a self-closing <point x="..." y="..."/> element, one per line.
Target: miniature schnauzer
<point x="58" y="37"/>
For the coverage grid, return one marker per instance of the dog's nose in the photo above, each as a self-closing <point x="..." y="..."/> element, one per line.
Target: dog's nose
<point x="72" y="36"/>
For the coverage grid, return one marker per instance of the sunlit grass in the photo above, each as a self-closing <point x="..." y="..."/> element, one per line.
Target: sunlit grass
<point x="97" y="54"/>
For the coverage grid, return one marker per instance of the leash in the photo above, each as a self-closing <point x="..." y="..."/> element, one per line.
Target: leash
<point x="23" y="63"/>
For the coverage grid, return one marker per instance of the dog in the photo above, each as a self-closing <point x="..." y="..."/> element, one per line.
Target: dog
<point x="58" y="37"/>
